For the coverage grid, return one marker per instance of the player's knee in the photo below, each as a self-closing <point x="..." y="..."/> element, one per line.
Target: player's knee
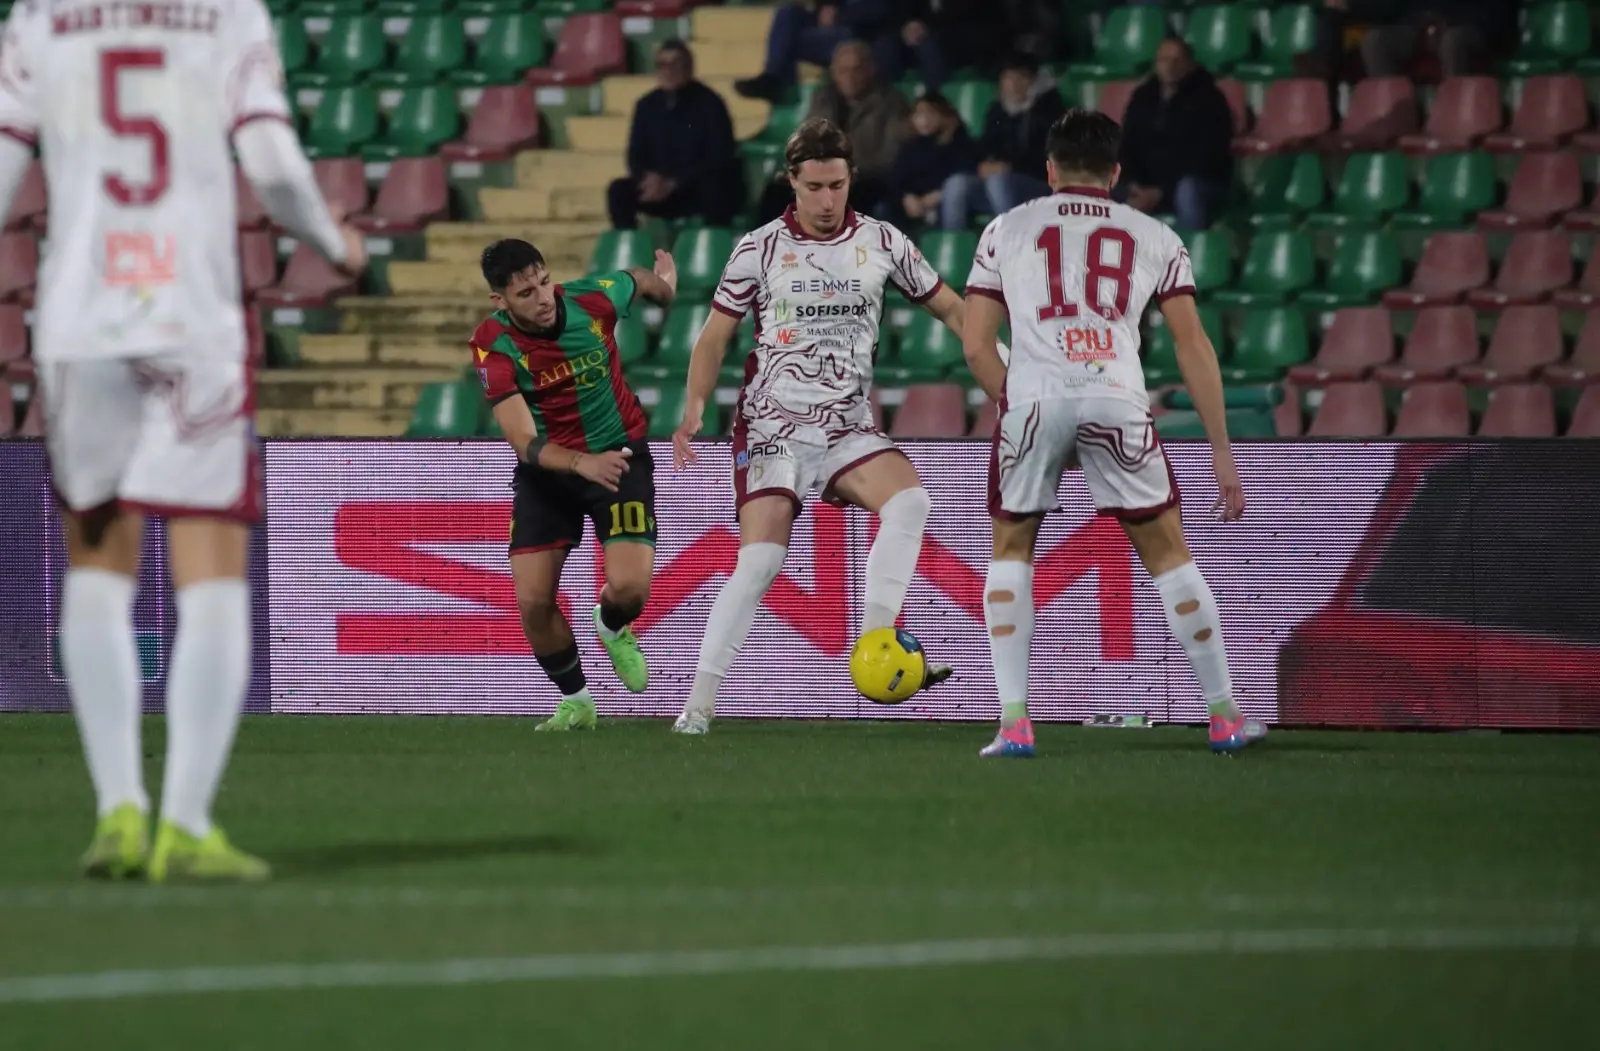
<point x="537" y="611"/>
<point x="759" y="564"/>
<point x="628" y="596"/>
<point x="907" y="511"/>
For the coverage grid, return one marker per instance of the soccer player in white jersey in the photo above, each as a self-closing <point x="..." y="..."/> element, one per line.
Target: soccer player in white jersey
<point x="1075" y="271"/>
<point x="145" y="375"/>
<point x="815" y="279"/>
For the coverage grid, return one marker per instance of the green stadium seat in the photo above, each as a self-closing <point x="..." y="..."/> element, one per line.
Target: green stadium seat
<point x="1554" y="36"/>
<point x="1277" y="266"/>
<point x="950" y="254"/>
<point x="447" y="410"/>
<point x="511" y="44"/>
<point x="633" y="340"/>
<point x="329" y="8"/>
<point x="433" y="45"/>
<point x="1211" y="258"/>
<point x="1220" y="34"/>
<point x="1455" y="188"/>
<point x="972" y="99"/>
<point x="1161" y="353"/>
<point x="425" y="119"/>
<point x="667" y="413"/>
<point x="410" y="8"/>
<point x="620" y="249"/>
<point x="678" y="334"/>
<point x="1365" y="264"/>
<point x="1242" y="423"/>
<point x="1290" y="31"/>
<point x="1126" y="45"/>
<point x="1371" y="187"/>
<point x="1271" y="340"/>
<point x="701" y="252"/>
<point x="294" y="47"/>
<point x="1285" y="188"/>
<point x="1235" y="396"/>
<point x="352" y="49"/>
<point x="567" y="8"/>
<point x="344" y="120"/>
<point x="928" y="348"/>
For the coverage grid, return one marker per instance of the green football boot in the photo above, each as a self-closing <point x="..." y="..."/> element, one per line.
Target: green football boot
<point x="574" y="713"/>
<point x="182" y="857"/>
<point x="121" y="845"/>
<point x="626" y="656"/>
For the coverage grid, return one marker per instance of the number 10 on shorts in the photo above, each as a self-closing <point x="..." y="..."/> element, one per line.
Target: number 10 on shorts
<point x="629" y="519"/>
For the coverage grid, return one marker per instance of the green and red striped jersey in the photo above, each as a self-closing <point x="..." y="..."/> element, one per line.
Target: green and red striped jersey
<point x="573" y="382"/>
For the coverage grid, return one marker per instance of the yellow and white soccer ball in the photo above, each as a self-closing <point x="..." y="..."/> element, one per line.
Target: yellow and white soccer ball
<point x="888" y="665"/>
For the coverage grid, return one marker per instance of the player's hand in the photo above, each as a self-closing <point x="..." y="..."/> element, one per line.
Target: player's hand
<point x="683" y="453"/>
<point x="1230" y="494"/>
<point x="604" y="469"/>
<point x="666" y="269"/>
<point x="355" y="251"/>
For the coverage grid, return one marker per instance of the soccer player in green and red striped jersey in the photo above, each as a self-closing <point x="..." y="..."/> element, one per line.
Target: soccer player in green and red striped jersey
<point x="548" y="360"/>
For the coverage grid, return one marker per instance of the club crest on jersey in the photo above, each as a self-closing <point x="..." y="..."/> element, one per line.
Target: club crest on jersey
<point x="861" y="255"/>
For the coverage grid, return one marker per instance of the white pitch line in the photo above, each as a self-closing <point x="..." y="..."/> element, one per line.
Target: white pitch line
<point x="112" y="985"/>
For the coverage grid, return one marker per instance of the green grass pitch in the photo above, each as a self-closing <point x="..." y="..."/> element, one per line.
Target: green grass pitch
<point x="467" y="883"/>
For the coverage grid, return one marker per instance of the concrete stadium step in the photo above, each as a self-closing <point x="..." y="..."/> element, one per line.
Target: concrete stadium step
<point x="745" y="25"/>
<point x="433" y="277"/>
<point x="562" y="168"/>
<point x="442" y="317"/>
<point x="430" y="351"/>
<point x="346" y="388"/>
<point x="621" y="94"/>
<point x="332" y="423"/>
<point x="558" y="240"/>
<point x="323" y="349"/>
<point x="729" y="58"/>
<point x="532" y="203"/>
<point x="599" y="134"/>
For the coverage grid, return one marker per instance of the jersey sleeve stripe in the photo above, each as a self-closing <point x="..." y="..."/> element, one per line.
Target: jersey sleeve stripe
<point x="1180" y="290"/>
<point x="22" y="135"/>
<point x="987" y="293"/>
<point x="251" y="118"/>
<point x="929" y="294"/>
<point x="718" y="306"/>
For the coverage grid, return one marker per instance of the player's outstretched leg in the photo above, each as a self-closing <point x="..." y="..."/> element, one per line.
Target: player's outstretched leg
<point x="1008" y="615"/>
<point x="536" y="575"/>
<point x="1192" y="614"/>
<point x="101" y="664"/>
<point x="206" y="687"/>
<point x="628" y="568"/>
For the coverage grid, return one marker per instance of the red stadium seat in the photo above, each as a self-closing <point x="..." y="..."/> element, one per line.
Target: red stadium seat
<point x="1359" y="340"/>
<point x="984" y="422"/>
<point x="1351" y="410"/>
<point x="1286" y="421"/>
<point x="8" y="415"/>
<point x="1520" y="410"/>
<point x="1442" y="340"/>
<point x="1452" y="264"/>
<point x="1295" y="113"/>
<point x="1381" y="109"/>
<point x="258" y="261"/>
<point x="1544" y="186"/>
<point x="504" y="122"/>
<point x="343" y="182"/>
<point x="662" y="9"/>
<point x="1537" y="263"/>
<point x="1586" y="294"/>
<point x="13" y="342"/>
<point x="308" y="281"/>
<point x="252" y="216"/>
<point x="414" y="192"/>
<point x="29" y="205"/>
<point x="1114" y="96"/>
<point x="1233" y="91"/>
<point x="1583" y="368"/>
<point x="590" y="47"/>
<point x="1464" y="110"/>
<point x="1552" y="109"/>
<point x="931" y="410"/>
<point x="1586" y="415"/>
<point x="19" y="265"/>
<point x="1587" y="219"/>
<point x="255" y="338"/>
<point x="1525" y="340"/>
<point x="1434" y="410"/>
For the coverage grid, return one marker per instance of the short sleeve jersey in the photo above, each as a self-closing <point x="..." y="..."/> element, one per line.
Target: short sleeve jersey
<point x="1076" y="272"/>
<point x="133" y="107"/>
<point x="818" y="308"/>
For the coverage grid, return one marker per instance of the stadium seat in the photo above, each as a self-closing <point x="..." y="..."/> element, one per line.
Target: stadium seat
<point x="1525" y="340"/>
<point x="258" y="261"/>
<point x="1295" y="112"/>
<point x="972" y="99"/>
<point x="343" y="183"/>
<point x="620" y="249"/>
<point x="1434" y="410"/>
<point x="701" y="252"/>
<point x="503" y="123"/>
<point x="1545" y="185"/>
<point x="294" y="47"/>
<point x="667" y="413"/>
<point x="1455" y="187"/>
<point x="1585" y="421"/>
<point x="1442" y="340"/>
<point x="1452" y="264"/>
<point x="433" y="45"/>
<point x="1537" y="263"/>
<point x="1210" y="257"/>
<point x="1350" y="410"/>
<point x="1464" y="110"/>
<point x="13" y="341"/>
<point x="1371" y="187"/>
<point x="344" y="119"/>
<point x="1583" y="368"/>
<point x="1161" y="355"/>
<point x="591" y="46"/>
<point x="1554" y="34"/>
<point x="1284" y="189"/>
<point x="1271" y="341"/>
<point x="447" y="410"/>
<point x="413" y="194"/>
<point x="1290" y="31"/>
<point x="19" y="265"/>
<point x="929" y="348"/>
<point x="1233" y="91"/>
<point x="1114" y="97"/>
<point x="1277" y="265"/>
<point x="679" y="332"/>
<point x="931" y="410"/>
<point x="425" y="119"/>
<point x="1380" y="111"/>
<point x="8" y="415"/>
<point x="1551" y="110"/>
<point x="252" y="216"/>
<point x="633" y="341"/>
<point x="31" y="202"/>
<point x="1359" y="340"/>
<point x="1125" y="46"/>
<point x="352" y="49"/>
<point x="1586" y="294"/>
<point x="950" y="254"/>
<point x="1520" y="410"/>
<point x="1365" y="263"/>
<point x="32" y="425"/>
<point x="512" y="43"/>
<point x="1586" y="219"/>
<point x="308" y="281"/>
<point x="1219" y="34"/>
<point x="983" y="422"/>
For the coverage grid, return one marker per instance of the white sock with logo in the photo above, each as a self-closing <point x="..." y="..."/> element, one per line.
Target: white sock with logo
<point x="893" y="558"/>
<point x="1008" y="614"/>
<point x="101" y="662"/>
<point x="1196" y="623"/>
<point x="732" y="614"/>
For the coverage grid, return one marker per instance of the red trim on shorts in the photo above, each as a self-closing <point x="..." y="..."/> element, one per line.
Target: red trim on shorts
<point x="744" y="498"/>
<point x="559" y="545"/>
<point x="1181" y="290"/>
<point x="987" y="293"/>
<point x="741" y="437"/>
<point x="719" y="308"/>
<point x="21" y="135"/>
<point x="834" y="498"/>
<point x="1145" y="514"/>
<point x="929" y="294"/>
<point x="251" y="118"/>
<point x="996" y="511"/>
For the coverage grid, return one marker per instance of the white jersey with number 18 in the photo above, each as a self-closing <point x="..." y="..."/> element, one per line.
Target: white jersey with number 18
<point x="133" y="105"/>
<point x="1076" y="271"/>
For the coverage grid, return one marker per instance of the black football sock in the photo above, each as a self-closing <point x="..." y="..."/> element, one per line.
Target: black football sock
<point x="565" y="669"/>
<point x="614" y="618"/>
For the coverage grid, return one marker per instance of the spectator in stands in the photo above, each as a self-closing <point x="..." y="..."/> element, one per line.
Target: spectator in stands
<point x="812" y="32"/>
<point x="941" y="35"/>
<point x="940" y="148"/>
<point x="682" y="158"/>
<point x="1467" y="32"/>
<point x="1012" y="146"/>
<point x="1176" y="139"/>
<point x="875" y="116"/>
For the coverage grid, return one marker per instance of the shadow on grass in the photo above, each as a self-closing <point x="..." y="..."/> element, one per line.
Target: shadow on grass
<point x="344" y="857"/>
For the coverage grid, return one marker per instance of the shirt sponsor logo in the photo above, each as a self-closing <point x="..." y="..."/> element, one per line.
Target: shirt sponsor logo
<point x="825" y="286"/>
<point x="785" y="337"/>
<point x="584" y="371"/>
<point x="1088" y="346"/>
<point x="820" y="310"/>
<point x="136" y="259"/>
<point x="781" y="311"/>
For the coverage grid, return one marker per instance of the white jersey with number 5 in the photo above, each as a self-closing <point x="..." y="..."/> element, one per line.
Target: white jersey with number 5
<point x="1076" y="271"/>
<point x="133" y="105"/>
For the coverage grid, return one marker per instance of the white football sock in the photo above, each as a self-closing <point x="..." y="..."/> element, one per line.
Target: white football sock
<point x="1008" y="614"/>
<point x="1192" y="615"/>
<point x="205" y="694"/>
<point x="101" y="662"/>
<point x="730" y="619"/>
<point x="894" y="554"/>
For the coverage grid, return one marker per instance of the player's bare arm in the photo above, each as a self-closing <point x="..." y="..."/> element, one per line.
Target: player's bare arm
<point x="705" y="362"/>
<point x="980" y="344"/>
<point x="516" y="423"/>
<point x="659" y="285"/>
<point x="272" y="160"/>
<point x="1197" y="361"/>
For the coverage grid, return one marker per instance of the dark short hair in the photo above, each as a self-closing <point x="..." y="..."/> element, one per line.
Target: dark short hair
<point x="1085" y="140"/>
<point x="1021" y="62"/>
<point x="678" y="46"/>
<point x="816" y="139"/>
<point x="939" y="102"/>
<point x="1188" y="49"/>
<point x="505" y="259"/>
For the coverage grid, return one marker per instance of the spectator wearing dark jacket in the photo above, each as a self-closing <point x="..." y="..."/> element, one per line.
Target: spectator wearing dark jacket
<point x="812" y="32"/>
<point x="682" y="159"/>
<point x="940" y="148"/>
<point x="941" y="35"/>
<point x="1176" y="139"/>
<point x="1013" y="147"/>
<point x="1467" y="32"/>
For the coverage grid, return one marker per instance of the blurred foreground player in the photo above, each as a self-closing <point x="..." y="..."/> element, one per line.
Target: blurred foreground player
<point x="145" y="375"/>
<point x="549" y="364"/>
<point x="1075" y="271"/>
